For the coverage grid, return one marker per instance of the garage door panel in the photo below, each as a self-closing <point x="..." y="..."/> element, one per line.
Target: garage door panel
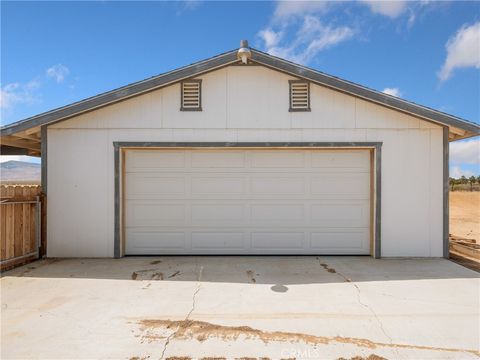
<point x="278" y="240"/>
<point x="277" y="213"/>
<point x="217" y="213"/>
<point x="270" y="159"/>
<point x="218" y="240"/>
<point x="146" y="242"/>
<point x="218" y="185"/>
<point x="150" y="160"/>
<point x="343" y="185"/>
<point x="247" y="202"/>
<point x="277" y="185"/>
<point x="227" y="240"/>
<point x="341" y="159"/>
<point x="140" y="213"/>
<point x="146" y="186"/>
<point x="217" y="159"/>
<point x="339" y="241"/>
<point x="340" y="215"/>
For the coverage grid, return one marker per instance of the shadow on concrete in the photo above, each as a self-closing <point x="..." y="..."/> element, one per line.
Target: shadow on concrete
<point x="279" y="271"/>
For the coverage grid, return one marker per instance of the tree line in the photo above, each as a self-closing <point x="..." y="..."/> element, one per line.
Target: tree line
<point x="464" y="183"/>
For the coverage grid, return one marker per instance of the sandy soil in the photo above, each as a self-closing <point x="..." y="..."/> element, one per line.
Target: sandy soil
<point x="465" y="214"/>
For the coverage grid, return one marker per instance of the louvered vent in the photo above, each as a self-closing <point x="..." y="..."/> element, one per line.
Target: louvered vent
<point x="299" y="95"/>
<point x="191" y="95"/>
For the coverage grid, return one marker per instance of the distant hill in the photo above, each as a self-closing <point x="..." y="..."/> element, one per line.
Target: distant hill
<point x="19" y="171"/>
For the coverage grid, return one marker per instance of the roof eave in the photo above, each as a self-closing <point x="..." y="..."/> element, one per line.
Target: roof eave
<point x="356" y="90"/>
<point x="121" y="94"/>
<point x="225" y="59"/>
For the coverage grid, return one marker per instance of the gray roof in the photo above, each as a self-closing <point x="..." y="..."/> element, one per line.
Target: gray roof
<point x="226" y="59"/>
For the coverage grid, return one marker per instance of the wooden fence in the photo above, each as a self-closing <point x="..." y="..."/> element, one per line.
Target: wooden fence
<point x="20" y="224"/>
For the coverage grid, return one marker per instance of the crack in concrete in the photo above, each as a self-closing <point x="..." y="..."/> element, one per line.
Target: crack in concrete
<point x="166" y="344"/>
<point x="357" y="288"/>
<point x="174" y="274"/>
<point x="187" y="318"/>
<point x="172" y="335"/>
<point x="372" y="311"/>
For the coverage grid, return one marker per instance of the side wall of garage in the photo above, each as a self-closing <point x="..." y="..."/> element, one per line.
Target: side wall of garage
<point x="242" y="104"/>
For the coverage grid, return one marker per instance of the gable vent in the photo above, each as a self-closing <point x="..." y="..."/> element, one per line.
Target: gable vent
<point x="191" y="95"/>
<point x="299" y="95"/>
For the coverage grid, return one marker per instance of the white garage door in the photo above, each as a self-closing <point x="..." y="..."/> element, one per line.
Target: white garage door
<point x="238" y="201"/>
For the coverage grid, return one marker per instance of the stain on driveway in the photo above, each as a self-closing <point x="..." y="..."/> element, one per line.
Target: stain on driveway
<point x="202" y="330"/>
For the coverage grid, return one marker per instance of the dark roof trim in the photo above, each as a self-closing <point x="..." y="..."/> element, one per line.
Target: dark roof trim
<point x="231" y="58"/>
<point x="122" y="93"/>
<point x="363" y="92"/>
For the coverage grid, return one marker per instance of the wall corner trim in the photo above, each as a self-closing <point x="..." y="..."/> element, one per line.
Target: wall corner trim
<point x="43" y="154"/>
<point x="117" y="222"/>
<point x="446" y="194"/>
<point x="378" y="201"/>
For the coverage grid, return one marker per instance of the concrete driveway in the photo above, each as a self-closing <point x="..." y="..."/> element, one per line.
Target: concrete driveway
<point x="241" y="307"/>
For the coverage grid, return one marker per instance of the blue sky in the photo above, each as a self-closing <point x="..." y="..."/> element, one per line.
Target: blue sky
<point x="55" y="53"/>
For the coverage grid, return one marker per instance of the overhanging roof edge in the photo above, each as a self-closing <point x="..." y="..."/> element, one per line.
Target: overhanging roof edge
<point x="225" y="59"/>
<point x="121" y="93"/>
<point x="364" y="92"/>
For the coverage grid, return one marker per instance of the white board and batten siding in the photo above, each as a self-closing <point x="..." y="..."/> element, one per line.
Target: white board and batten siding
<point x="242" y="104"/>
<point x="247" y="202"/>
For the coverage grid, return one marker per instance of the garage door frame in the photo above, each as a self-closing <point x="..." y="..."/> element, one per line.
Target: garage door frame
<point x="375" y="164"/>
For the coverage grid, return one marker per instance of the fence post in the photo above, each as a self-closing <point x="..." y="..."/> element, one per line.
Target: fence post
<point x="43" y="238"/>
<point x="38" y="225"/>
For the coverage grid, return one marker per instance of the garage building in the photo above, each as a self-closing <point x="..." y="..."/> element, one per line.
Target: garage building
<point x="243" y="153"/>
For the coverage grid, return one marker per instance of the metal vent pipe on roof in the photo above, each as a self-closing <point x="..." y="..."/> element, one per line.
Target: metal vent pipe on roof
<point x="244" y="52"/>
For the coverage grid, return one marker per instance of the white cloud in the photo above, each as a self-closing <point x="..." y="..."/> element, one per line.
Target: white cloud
<point x="465" y="152"/>
<point x="465" y="158"/>
<point x="191" y="4"/>
<point x="392" y="91"/>
<point x="4" y="158"/>
<point x="186" y="5"/>
<point x="288" y="9"/>
<point x="270" y="38"/>
<point x="313" y="33"/>
<point x="32" y="84"/>
<point x="27" y="93"/>
<point x="8" y="95"/>
<point x="389" y="8"/>
<point x="457" y="172"/>
<point x="16" y="93"/>
<point x="411" y="19"/>
<point x="463" y="50"/>
<point x="58" y="72"/>
<point x="312" y="37"/>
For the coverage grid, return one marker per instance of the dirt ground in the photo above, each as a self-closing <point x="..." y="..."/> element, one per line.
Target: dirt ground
<point x="465" y="214"/>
